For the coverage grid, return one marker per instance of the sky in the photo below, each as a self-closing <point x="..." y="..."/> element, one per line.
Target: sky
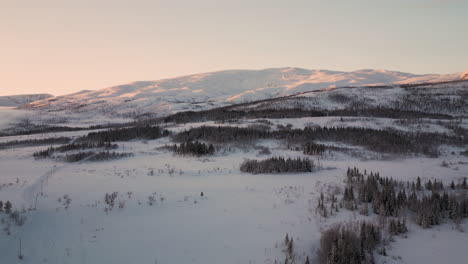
<point x="64" y="46"/>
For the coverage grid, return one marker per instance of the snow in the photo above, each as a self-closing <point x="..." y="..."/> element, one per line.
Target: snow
<point x="241" y="218"/>
<point x="207" y="90"/>
<point x="440" y="244"/>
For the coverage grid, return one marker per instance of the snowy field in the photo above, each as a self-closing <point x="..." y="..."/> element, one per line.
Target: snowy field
<point x="240" y="218"/>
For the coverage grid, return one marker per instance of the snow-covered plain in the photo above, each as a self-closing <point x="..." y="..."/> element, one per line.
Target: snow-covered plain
<point x="241" y="218"/>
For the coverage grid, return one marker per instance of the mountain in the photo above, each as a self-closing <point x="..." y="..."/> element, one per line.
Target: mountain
<point x="18" y="100"/>
<point x="206" y="90"/>
<point x="464" y="76"/>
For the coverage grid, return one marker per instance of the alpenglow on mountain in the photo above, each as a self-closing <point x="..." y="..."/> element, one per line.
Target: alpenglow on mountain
<point x="18" y="100"/>
<point x="206" y="90"/>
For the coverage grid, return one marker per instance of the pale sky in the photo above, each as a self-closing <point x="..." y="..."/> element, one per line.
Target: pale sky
<point x="65" y="46"/>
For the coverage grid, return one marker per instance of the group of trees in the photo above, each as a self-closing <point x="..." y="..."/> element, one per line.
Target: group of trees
<point x="311" y="148"/>
<point x="73" y="146"/>
<point x="354" y="243"/>
<point x="429" y="203"/>
<point x="109" y="200"/>
<point x="193" y="148"/>
<point x="385" y="141"/>
<point x="5" y="207"/>
<point x="278" y="165"/>
<point x="15" y="215"/>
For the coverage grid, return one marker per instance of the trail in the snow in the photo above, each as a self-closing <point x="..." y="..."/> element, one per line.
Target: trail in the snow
<point x="35" y="190"/>
<point x="32" y="192"/>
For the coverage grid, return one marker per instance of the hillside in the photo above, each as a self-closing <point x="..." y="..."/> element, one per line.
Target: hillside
<point x="207" y="90"/>
<point x="18" y="100"/>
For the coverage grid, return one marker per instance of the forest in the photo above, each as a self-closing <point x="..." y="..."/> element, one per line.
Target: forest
<point x="385" y="141"/>
<point x="393" y="203"/>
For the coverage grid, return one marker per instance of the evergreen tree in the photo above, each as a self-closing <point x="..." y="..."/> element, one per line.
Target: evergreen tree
<point x="7" y="207"/>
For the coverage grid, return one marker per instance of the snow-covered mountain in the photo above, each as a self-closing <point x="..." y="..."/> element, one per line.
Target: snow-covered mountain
<point x="18" y="100"/>
<point x="201" y="91"/>
<point x="464" y="76"/>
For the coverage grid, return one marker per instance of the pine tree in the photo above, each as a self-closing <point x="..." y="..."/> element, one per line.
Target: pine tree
<point x="429" y="185"/>
<point x="7" y="207"/>
<point x="291" y="247"/>
<point x="418" y="184"/>
<point x="211" y="149"/>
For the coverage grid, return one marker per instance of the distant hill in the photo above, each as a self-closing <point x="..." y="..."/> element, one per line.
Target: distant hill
<point x="464" y="76"/>
<point x="22" y="99"/>
<point x="207" y="90"/>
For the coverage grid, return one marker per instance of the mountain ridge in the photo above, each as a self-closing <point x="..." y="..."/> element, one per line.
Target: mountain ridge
<point x="204" y="90"/>
<point x="22" y="99"/>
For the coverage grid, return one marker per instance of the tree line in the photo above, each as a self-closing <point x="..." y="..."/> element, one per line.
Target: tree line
<point x="73" y="146"/>
<point x="34" y="142"/>
<point x="352" y="110"/>
<point x="125" y="134"/>
<point x="38" y="129"/>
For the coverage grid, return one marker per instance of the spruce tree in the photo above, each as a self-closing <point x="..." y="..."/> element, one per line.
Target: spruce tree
<point x="7" y="207"/>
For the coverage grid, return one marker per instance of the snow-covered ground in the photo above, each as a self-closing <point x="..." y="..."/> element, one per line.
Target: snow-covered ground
<point x="441" y="244"/>
<point x="241" y="218"/>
